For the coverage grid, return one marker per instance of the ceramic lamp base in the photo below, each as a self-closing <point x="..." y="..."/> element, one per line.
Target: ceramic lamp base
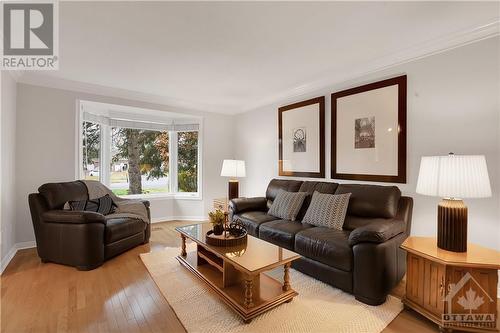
<point x="233" y="189"/>
<point x="452" y="225"/>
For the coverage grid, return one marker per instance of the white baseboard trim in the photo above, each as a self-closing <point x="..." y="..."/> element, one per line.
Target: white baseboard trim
<point x="178" y="218"/>
<point x="8" y="257"/>
<point x="12" y="252"/>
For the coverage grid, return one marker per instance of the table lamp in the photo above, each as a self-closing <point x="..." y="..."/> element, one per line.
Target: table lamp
<point x="233" y="169"/>
<point x="453" y="178"/>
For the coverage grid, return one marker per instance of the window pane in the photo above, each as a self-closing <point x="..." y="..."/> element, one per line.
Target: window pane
<point x="187" y="161"/>
<point x="139" y="161"/>
<point x="91" y="143"/>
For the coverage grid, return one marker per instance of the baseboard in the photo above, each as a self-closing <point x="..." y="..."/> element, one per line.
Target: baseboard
<point x="12" y="252"/>
<point x="178" y="218"/>
<point x="6" y="260"/>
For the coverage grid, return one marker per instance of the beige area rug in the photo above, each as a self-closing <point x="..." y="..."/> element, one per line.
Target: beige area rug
<point x="318" y="307"/>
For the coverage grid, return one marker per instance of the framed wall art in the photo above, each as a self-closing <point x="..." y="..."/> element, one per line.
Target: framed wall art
<point x="301" y="139"/>
<point x="369" y="132"/>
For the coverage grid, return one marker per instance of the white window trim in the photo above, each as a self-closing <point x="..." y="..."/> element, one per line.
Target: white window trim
<point x="105" y="155"/>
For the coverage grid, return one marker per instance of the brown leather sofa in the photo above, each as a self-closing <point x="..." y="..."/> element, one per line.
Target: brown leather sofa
<point x="81" y="239"/>
<point x="363" y="259"/>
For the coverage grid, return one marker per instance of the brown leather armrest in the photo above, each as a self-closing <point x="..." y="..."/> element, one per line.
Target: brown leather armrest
<point x="73" y="217"/>
<point x="240" y="205"/>
<point x="378" y="232"/>
<point x="144" y="202"/>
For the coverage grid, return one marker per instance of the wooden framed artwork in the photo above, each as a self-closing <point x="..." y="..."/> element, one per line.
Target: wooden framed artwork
<point x="301" y="139"/>
<point x="369" y="132"/>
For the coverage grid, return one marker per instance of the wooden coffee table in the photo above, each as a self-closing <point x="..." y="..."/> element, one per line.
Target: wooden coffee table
<point x="236" y="274"/>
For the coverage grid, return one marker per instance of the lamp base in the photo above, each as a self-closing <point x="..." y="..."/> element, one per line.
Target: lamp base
<point x="233" y="189"/>
<point x="452" y="225"/>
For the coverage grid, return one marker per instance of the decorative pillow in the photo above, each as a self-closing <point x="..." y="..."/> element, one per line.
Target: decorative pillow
<point x="287" y="205"/>
<point x="327" y="210"/>
<point x="103" y="205"/>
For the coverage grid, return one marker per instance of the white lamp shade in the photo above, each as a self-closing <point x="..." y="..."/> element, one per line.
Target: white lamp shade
<point x="233" y="168"/>
<point x="454" y="176"/>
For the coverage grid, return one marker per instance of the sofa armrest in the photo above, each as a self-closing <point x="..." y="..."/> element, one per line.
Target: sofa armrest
<point x="73" y="217"/>
<point x="378" y="232"/>
<point x="146" y="203"/>
<point x="240" y="205"/>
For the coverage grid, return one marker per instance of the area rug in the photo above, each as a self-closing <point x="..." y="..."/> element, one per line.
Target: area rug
<point x="318" y="307"/>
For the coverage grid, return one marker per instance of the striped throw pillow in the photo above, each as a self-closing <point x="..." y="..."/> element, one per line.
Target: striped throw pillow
<point x="287" y="205"/>
<point x="327" y="210"/>
<point x="103" y="205"/>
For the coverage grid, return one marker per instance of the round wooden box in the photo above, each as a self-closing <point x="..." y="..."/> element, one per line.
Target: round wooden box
<point x="226" y="239"/>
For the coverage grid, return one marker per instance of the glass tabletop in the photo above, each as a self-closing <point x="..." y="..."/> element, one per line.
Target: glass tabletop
<point x="255" y="255"/>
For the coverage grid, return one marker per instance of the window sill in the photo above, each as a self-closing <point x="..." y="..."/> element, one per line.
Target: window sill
<point x="163" y="196"/>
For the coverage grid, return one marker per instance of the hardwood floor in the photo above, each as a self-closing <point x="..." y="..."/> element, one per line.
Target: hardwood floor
<point x="119" y="296"/>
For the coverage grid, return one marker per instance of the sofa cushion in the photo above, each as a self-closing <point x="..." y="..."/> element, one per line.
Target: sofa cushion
<point x="327" y="210"/>
<point x="57" y="194"/>
<point x="326" y="245"/>
<point x="252" y="220"/>
<point x="287" y="205"/>
<point x="321" y="187"/>
<point x="371" y="200"/>
<point x="120" y="228"/>
<point x="276" y="185"/>
<point x="281" y="232"/>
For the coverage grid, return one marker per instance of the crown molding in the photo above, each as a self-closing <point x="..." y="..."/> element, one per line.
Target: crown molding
<point x="415" y="52"/>
<point x="412" y="53"/>
<point x="38" y="79"/>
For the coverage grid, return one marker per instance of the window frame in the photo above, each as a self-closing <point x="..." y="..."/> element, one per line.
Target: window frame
<point x="105" y="155"/>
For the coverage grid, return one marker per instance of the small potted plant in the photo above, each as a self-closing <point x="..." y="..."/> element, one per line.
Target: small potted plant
<point x="217" y="218"/>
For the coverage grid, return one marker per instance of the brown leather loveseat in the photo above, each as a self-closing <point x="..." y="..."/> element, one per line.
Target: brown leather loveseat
<point x="80" y="238"/>
<point x="363" y="259"/>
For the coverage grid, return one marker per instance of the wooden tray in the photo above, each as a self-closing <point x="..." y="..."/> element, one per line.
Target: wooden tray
<point x="225" y="239"/>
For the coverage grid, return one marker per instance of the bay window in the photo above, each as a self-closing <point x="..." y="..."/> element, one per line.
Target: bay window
<point x="140" y="158"/>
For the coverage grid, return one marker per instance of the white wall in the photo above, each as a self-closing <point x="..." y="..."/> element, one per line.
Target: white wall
<point x="46" y="150"/>
<point x="8" y="170"/>
<point x="453" y="106"/>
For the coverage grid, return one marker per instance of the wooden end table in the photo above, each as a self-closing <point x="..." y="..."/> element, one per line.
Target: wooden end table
<point x="454" y="290"/>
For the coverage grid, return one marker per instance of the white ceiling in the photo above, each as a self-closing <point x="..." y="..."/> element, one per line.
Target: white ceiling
<point x="234" y="56"/>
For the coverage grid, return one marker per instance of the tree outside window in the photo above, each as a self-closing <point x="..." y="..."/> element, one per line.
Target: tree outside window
<point x="187" y="161"/>
<point x="91" y="146"/>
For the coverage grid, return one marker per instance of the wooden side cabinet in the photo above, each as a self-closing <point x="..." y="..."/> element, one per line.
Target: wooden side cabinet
<point x="454" y="290"/>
